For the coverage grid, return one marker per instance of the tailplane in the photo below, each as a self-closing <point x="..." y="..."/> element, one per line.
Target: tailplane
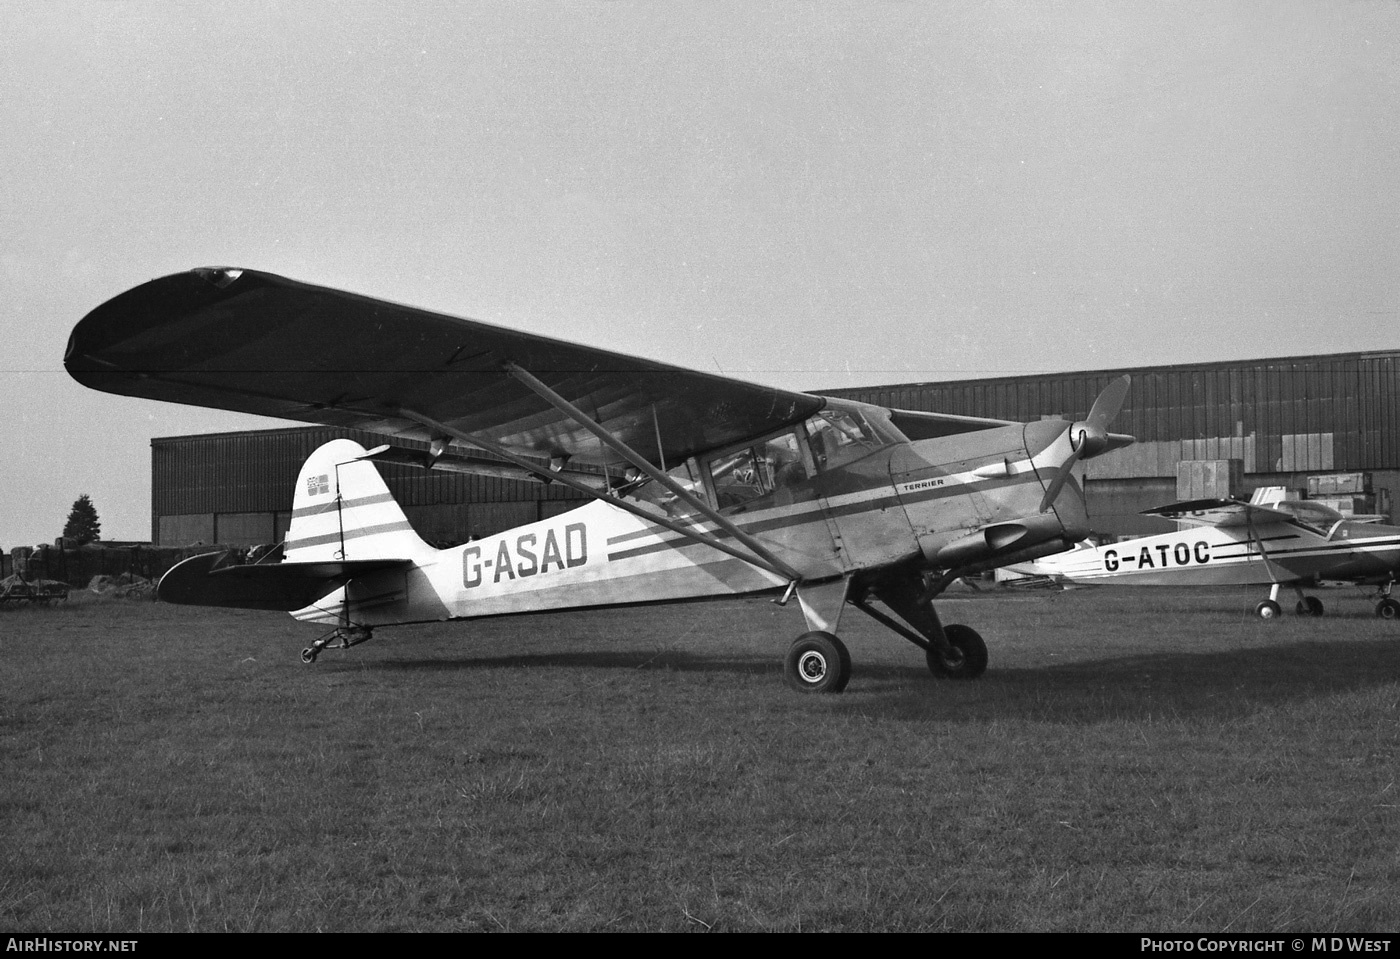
<point x="345" y="524"/>
<point x="342" y="511"/>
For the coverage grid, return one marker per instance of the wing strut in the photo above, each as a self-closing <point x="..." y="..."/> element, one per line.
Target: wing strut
<point x="627" y="453"/>
<point x="1259" y="544"/>
<point x="776" y="568"/>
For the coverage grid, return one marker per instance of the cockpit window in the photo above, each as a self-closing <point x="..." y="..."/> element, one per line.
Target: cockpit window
<point x="840" y="436"/>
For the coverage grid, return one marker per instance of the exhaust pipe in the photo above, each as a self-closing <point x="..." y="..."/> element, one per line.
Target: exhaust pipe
<point x="1000" y="539"/>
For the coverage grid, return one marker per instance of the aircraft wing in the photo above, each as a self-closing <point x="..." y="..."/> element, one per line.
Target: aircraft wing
<point x="921" y="425"/>
<point x="1219" y="512"/>
<point x="259" y="343"/>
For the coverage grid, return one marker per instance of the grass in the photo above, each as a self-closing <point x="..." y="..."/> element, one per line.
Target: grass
<point x="1134" y="760"/>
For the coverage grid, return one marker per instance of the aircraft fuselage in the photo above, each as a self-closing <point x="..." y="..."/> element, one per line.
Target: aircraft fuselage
<point x="904" y="504"/>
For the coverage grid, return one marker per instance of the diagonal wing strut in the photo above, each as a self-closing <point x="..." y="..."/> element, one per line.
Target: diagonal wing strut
<point x="1259" y="544"/>
<point x="641" y="463"/>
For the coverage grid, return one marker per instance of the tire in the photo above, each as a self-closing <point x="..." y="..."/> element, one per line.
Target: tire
<point x="1268" y="609"/>
<point x="1309" y="606"/>
<point x="817" y="663"/>
<point x="1388" y="609"/>
<point x="971" y="660"/>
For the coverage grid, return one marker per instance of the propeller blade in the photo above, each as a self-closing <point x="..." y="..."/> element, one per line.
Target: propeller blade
<point x="1058" y="483"/>
<point x="1109" y="402"/>
<point x="1092" y="434"/>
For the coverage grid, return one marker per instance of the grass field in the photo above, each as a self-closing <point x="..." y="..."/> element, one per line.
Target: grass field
<point x="1133" y="760"/>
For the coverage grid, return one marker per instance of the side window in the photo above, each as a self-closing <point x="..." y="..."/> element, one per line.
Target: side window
<point x="737" y="479"/>
<point x="771" y="466"/>
<point x="783" y="461"/>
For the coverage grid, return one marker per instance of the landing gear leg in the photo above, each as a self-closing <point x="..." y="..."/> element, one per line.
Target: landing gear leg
<point x="1387" y="608"/>
<point x="346" y="635"/>
<point x="1269" y="608"/>
<point x="1307" y="605"/>
<point x="952" y="652"/>
<point x="968" y="658"/>
<point x="818" y="662"/>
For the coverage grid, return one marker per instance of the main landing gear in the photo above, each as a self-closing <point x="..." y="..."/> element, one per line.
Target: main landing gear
<point x="1306" y="606"/>
<point x="1387" y="608"/>
<point x="967" y="658"/>
<point x="818" y="662"/>
<point x="347" y="635"/>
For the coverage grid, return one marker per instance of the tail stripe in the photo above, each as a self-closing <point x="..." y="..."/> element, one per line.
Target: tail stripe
<point x="345" y="504"/>
<point x="348" y="535"/>
<point x="343" y="511"/>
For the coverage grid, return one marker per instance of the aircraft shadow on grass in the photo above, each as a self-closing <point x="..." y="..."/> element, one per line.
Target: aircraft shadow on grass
<point x="1140" y="685"/>
<point x="665" y="661"/>
<point x="1179" y="684"/>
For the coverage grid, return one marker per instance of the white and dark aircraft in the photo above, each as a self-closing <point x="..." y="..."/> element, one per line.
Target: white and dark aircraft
<point x="1270" y="539"/>
<point x="704" y="486"/>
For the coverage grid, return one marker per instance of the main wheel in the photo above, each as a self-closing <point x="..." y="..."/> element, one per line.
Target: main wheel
<point x="308" y="655"/>
<point x="1268" y="609"/>
<point x="1388" y="608"/>
<point x="1309" y="606"/>
<point x="968" y="658"/>
<point x="818" y="663"/>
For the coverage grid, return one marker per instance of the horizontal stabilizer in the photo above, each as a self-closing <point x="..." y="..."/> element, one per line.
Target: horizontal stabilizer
<point x="203" y="581"/>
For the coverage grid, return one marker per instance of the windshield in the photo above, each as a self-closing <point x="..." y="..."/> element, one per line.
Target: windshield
<point x="1320" y="519"/>
<point x="839" y="436"/>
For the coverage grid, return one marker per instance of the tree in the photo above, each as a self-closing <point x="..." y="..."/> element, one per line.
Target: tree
<point x="83" y="524"/>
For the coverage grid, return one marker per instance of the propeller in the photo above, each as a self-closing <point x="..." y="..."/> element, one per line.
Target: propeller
<point x="1090" y="437"/>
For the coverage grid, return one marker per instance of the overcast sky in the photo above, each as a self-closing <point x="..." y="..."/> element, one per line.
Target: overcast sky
<point x="808" y="194"/>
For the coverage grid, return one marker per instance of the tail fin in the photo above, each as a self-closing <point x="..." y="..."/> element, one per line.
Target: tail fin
<point x="343" y="511"/>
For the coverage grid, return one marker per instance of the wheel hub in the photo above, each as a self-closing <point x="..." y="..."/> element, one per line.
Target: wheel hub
<point x="812" y="666"/>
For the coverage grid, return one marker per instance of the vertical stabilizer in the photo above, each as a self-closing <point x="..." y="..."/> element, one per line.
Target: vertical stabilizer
<point x="343" y="511"/>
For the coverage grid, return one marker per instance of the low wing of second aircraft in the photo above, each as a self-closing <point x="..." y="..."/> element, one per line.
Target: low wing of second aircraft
<point x="1270" y="540"/>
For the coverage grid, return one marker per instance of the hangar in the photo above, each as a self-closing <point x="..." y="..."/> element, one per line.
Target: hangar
<point x="1325" y="426"/>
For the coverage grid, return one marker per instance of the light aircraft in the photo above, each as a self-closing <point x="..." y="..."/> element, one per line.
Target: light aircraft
<point x="1270" y="539"/>
<point x="704" y="486"/>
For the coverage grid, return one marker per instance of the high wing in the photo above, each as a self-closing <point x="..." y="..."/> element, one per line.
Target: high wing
<point x="258" y="343"/>
<point x="1222" y="513"/>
